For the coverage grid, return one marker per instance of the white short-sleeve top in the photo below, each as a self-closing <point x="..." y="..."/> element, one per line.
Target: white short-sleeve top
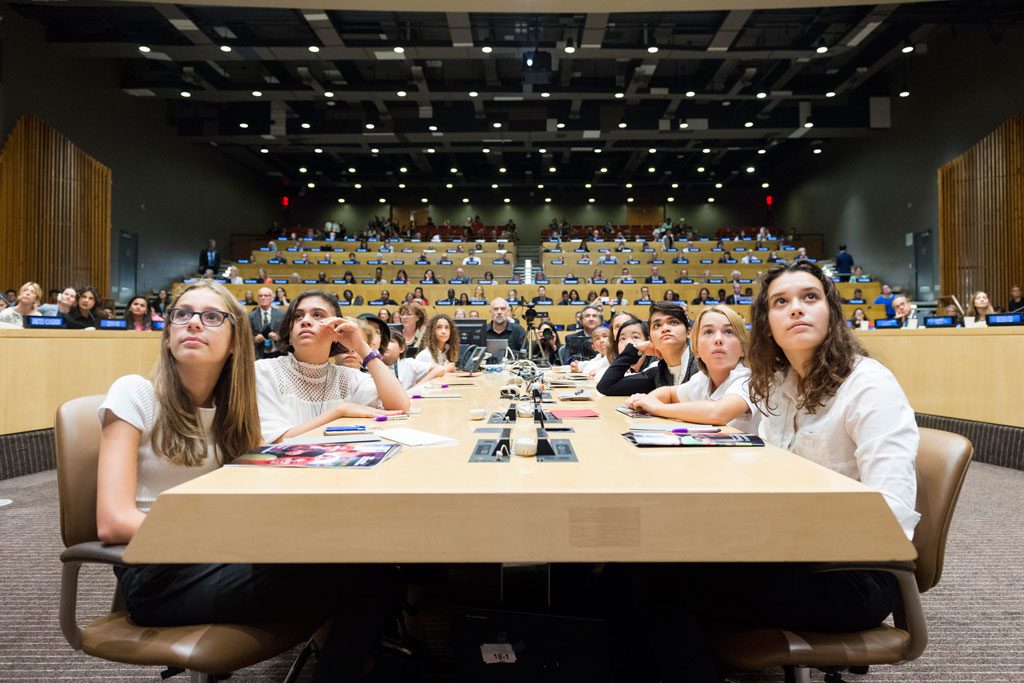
<point x="867" y="431"/>
<point x="132" y="399"/>
<point x="290" y="392"/>
<point x="698" y="388"/>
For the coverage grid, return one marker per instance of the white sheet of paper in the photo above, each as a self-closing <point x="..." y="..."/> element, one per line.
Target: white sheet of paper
<point x="498" y="653"/>
<point x="415" y="437"/>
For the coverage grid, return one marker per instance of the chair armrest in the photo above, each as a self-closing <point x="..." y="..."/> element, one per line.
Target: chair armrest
<point x="92" y="552"/>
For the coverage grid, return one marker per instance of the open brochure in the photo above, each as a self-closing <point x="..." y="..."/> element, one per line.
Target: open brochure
<point x="357" y="455"/>
<point x="654" y="439"/>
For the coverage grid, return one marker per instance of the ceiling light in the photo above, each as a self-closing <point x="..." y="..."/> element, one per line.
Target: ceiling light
<point x="186" y="93"/>
<point x="341" y="200"/>
<point x="305" y="125"/>
<point x="507" y="200"/>
<point x="597" y="150"/>
<point x="328" y="93"/>
<point x="540" y="186"/>
<point x="264" y="150"/>
<point x="750" y="169"/>
<point x="257" y="93"/>
<point x="545" y="94"/>
<point x="684" y="124"/>
<point x="465" y="200"/>
<point x="904" y="93"/>
<point x="559" y="125"/>
<point x="369" y="126"/>
<point x="764" y="185"/>
<point x="809" y="124"/>
<point x="424" y="200"/>
<point x="619" y="95"/>
<point x="449" y="185"/>
<point x="629" y="185"/>
<point x="473" y="93"/>
<point x="225" y="48"/>
<point x="486" y="150"/>
<point x="547" y="200"/>
<point x="382" y="200"/>
<point x="822" y="48"/>
<point x="588" y="185"/>
<point x="430" y="150"/>
<point x="653" y="49"/>
<point x="700" y="169"/>
<point x="543" y="150"/>
<point x="570" y="47"/>
<point x="651" y="169"/>
<point x="314" y="49"/>
<point x="432" y="128"/>
<point x="502" y="170"/>
<point x="351" y="169"/>
<point x="690" y="93"/>
<point x="675" y="186"/>
<point x="762" y="151"/>
<point x="604" y="169"/>
<point x="706" y="150"/>
<point x="551" y="169"/>
<point x="652" y="150"/>
<point x="670" y="199"/>
<point x="748" y="124"/>
<point x="591" y="200"/>
<point x="494" y="186"/>
<point x="629" y="199"/>
<point x="711" y="200"/>
<point x="311" y="185"/>
<point x="144" y="49"/>
<point x="403" y="169"/>
<point x="487" y="49"/>
<point x="302" y="169"/>
<point x="243" y="125"/>
<point x="401" y="186"/>
<point x="399" y="49"/>
<point x="453" y="169"/>
<point x="817" y="150"/>
<point x="358" y="186"/>
<point x="830" y="93"/>
<point x="622" y="124"/>
<point x="718" y="186"/>
<point x="496" y="125"/>
<point x="374" y="150"/>
<point x="906" y="49"/>
<point x="761" y="95"/>
<point x="401" y="93"/>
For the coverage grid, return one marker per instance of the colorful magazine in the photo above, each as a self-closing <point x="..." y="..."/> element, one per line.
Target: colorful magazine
<point x="357" y="455"/>
<point x="652" y="439"/>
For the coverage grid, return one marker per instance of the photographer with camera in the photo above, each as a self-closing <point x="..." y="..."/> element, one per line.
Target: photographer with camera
<point x="547" y="344"/>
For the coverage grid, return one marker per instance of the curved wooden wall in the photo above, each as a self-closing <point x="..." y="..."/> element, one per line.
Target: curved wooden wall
<point x="981" y="216"/>
<point x="54" y="211"/>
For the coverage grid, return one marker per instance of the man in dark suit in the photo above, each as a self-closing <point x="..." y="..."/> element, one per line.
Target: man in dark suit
<point x="265" y="320"/>
<point x="209" y="258"/>
<point x="655" y="277"/>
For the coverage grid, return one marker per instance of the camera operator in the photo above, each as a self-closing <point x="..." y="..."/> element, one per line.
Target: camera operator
<point x="547" y="344"/>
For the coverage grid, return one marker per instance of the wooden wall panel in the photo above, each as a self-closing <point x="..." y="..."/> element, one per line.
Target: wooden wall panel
<point x="640" y="214"/>
<point x="54" y="211"/>
<point x="981" y="216"/>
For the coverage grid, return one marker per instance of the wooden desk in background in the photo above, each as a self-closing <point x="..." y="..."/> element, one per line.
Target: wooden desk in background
<point x="968" y="374"/>
<point x="40" y="369"/>
<point x="618" y="503"/>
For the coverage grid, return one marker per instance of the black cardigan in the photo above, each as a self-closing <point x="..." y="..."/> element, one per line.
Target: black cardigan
<point x="615" y="383"/>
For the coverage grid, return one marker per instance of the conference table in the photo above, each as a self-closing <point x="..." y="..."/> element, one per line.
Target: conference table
<point x="616" y="503"/>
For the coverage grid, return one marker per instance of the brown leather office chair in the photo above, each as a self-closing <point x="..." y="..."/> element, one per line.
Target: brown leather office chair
<point x="202" y="649"/>
<point x="942" y="460"/>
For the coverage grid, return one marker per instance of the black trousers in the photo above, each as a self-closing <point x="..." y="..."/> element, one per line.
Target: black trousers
<point x="673" y="604"/>
<point x="363" y="599"/>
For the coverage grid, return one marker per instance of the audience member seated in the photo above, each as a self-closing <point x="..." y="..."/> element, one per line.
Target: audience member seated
<point x="413" y="318"/>
<point x="859" y="317"/>
<point x="65" y="302"/>
<point x="886" y="298"/>
<point x="905" y="312"/>
<point x="669" y="330"/>
<point x="28" y="299"/>
<point x="737" y="294"/>
<point x="139" y="316"/>
<point x="1016" y="302"/>
<point x="547" y="344"/>
<point x="542" y="297"/>
<point x="655" y="277"/>
<point x="980" y="307"/>
<point x="702" y="297"/>
<point x="502" y="326"/>
<point x="86" y="312"/>
<point x="440" y="343"/>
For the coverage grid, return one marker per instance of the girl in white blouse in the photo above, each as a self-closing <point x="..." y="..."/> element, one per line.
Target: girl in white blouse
<point x="823" y="399"/>
<point x="196" y="413"/>
<point x="440" y="343"/>
<point x="303" y="390"/>
<point x="718" y="394"/>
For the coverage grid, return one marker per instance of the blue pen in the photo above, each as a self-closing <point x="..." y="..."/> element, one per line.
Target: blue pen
<point x="712" y="430"/>
<point x="351" y="428"/>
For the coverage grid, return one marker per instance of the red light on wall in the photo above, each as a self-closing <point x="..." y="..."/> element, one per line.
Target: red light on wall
<point x="769" y="200"/>
<point x="284" y="201"/>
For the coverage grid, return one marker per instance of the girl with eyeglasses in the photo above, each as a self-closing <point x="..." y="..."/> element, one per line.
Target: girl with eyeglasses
<point x="197" y="412"/>
<point x="301" y="390"/>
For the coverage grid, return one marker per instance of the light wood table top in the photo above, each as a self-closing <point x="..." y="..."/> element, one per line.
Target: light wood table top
<point x="618" y="503"/>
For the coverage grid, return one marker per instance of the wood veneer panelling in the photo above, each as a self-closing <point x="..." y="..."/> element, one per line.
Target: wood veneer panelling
<point x="981" y="216"/>
<point x="54" y="210"/>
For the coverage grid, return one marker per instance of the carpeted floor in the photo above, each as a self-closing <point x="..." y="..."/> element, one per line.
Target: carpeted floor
<point x="976" y="614"/>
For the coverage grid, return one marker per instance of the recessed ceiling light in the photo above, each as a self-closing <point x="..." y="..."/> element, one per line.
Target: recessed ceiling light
<point x="711" y="200"/>
<point x="502" y="170"/>
<point x="540" y="186"/>
<point x="817" y="150"/>
<point x="718" y="186"/>
<point x="453" y="169"/>
<point x="591" y="200"/>
<point x="302" y="169"/>
<point x="604" y="169"/>
<point x="748" y="124"/>
<point x="496" y="125"/>
<point x="547" y="200"/>
<point x="764" y="185"/>
<point x="545" y="94"/>
<point x="706" y="150"/>
<point x="264" y="150"/>
<point x="305" y="125"/>
<point x="311" y="185"/>
<point x="542" y="150"/>
<point x="449" y="185"/>
<point x="358" y="186"/>
<point x="382" y="200"/>
<point x="821" y="49"/>
<point x="629" y="185"/>
<point x="403" y="169"/>
<point x="809" y="124"/>
<point x="588" y="185"/>
<point x="314" y="49"/>
<point x="651" y="169"/>
<point x="675" y="186"/>
<point x="762" y="151"/>
<point x="507" y="200"/>
<point x="465" y="200"/>
<point x="257" y="93"/>
<point x="318" y="150"/>
<point x="904" y="93"/>
<point x="551" y="169"/>
<point x="424" y="200"/>
<point x="369" y="126"/>
<point x="670" y="199"/>
<point x="653" y="49"/>
<point x="341" y="200"/>
<point x="487" y="49"/>
<point x="401" y="186"/>
<point x="432" y="128"/>
<point x="144" y="48"/>
<point x="374" y="150"/>
<point x="907" y="49"/>
<point x="597" y="150"/>
<point x="225" y="48"/>
<point x="243" y="125"/>
<point x="690" y="93"/>
<point x="401" y="93"/>
<point x="399" y="49"/>
<point x="830" y="93"/>
<point x="559" y="125"/>
<point x="494" y="186"/>
<point x="684" y="124"/>
<point x="629" y="199"/>
<point x="186" y="93"/>
<point x="569" y="47"/>
<point x="486" y="150"/>
<point x="622" y="124"/>
<point x="430" y="150"/>
<point x="473" y="93"/>
<point x="761" y="95"/>
<point x="328" y="93"/>
<point x="750" y="169"/>
<point x="700" y="169"/>
<point x="351" y="169"/>
<point x="619" y="95"/>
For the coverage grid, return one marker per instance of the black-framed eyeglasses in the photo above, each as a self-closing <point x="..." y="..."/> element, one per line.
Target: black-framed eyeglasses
<point x="210" y="318"/>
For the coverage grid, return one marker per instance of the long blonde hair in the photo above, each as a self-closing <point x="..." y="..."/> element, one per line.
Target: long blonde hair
<point x="739" y="328"/>
<point x="178" y="434"/>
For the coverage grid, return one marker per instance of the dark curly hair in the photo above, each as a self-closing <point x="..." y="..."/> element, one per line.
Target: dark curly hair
<point x="285" y="330"/>
<point x="831" y="363"/>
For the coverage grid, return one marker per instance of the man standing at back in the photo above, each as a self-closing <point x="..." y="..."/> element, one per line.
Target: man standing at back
<point x="265" y="320"/>
<point x="209" y="258"/>
<point x="502" y="327"/>
<point x="844" y="264"/>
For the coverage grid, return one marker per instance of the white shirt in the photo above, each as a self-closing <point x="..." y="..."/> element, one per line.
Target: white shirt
<point x="424" y="356"/>
<point x="132" y="399"/>
<point x="866" y="431"/>
<point x="595" y="364"/>
<point x="698" y="388"/>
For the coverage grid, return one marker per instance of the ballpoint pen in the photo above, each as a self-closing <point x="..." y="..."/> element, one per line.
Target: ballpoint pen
<point x="348" y="428"/>
<point x="390" y="418"/>
<point x="710" y="430"/>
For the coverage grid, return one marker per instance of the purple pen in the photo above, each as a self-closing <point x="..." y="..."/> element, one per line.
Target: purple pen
<point x="711" y="430"/>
